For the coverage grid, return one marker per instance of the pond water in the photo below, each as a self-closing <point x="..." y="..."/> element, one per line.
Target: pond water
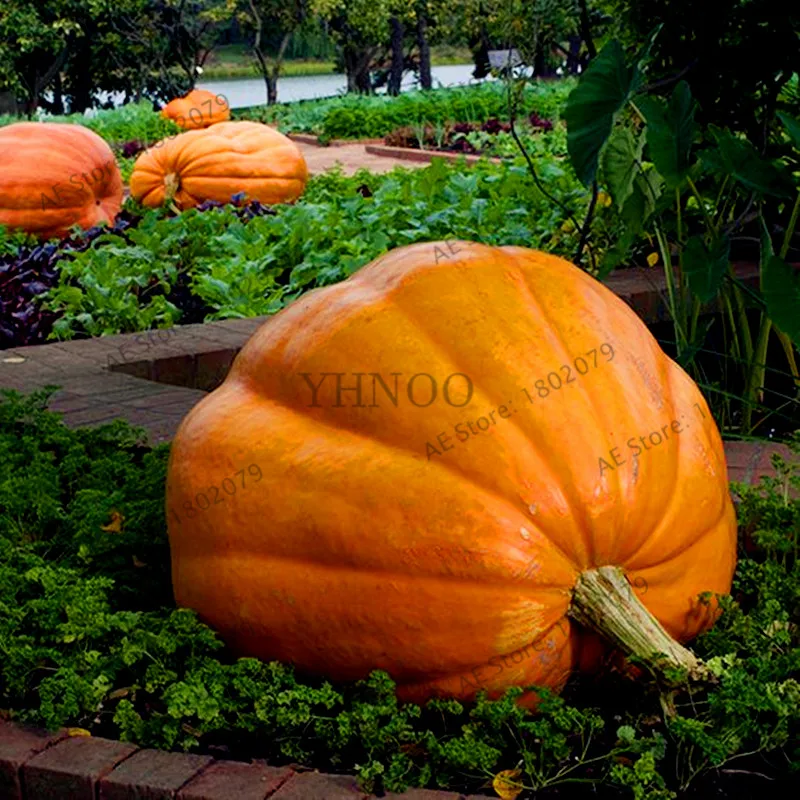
<point x="242" y="92"/>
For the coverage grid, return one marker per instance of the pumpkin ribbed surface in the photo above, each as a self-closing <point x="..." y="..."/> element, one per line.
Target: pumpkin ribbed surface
<point x="361" y="548"/>
<point x="55" y="176"/>
<point x="218" y="162"/>
<point x="196" y="110"/>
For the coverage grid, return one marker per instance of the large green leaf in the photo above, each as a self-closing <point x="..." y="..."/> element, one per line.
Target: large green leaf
<point x="640" y="204"/>
<point x="621" y="157"/>
<point x="592" y="106"/>
<point x="780" y="285"/>
<point x="705" y="267"/>
<point x="670" y="132"/>
<point x="792" y="127"/>
<point x="740" y="160"/>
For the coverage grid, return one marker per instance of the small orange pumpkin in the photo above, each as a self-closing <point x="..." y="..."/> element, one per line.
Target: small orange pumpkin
<point x="198" y="109"/>
<point x="54" y="176"/>
<point x="219" y="162"/>
<point x="462" y="465"/>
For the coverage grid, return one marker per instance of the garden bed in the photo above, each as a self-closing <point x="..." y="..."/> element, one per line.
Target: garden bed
<point x="93" y="641"/>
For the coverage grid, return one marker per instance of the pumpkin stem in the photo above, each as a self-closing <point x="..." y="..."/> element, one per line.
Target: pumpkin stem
<point x="603" y="601"/>
<point x="172" y="183"/>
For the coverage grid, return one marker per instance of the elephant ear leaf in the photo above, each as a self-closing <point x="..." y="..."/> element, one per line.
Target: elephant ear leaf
<point x="737" y="158"/>
<point x="670" y="132"/>
<point x="780" y="286"/>
<point x="602" y="91"/>
<point x="705" y="266"/>
<point x="792" y="126"/>
<point x="621" y="158"/>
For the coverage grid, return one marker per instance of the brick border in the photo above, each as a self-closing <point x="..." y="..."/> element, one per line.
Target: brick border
<point x="310" y="138"/>
<point x="38" y="765"/>
<point x="413" y="154"/>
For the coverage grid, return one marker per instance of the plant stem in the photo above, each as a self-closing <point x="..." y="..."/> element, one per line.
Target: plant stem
<point x="790" y="228"/>
<point x="604" y="602"/>
<point x="676" y="312"/>
<point x="709" y="222"/>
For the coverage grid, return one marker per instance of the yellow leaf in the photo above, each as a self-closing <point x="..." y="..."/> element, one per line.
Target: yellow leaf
<point x="78" y="732"/>
<point x="652" y="259"/>
<point x="115" y="526"/>
<point x="568" y="226"/>
<point x="603" y="199"/>
<point x="506" y="783"/>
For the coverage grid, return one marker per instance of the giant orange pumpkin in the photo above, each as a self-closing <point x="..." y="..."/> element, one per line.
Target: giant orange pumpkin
<point x="219" y="162"/>
<point x="54" y="176"/>
<point x="198" y="109"/>
<point x="458" y="465"/>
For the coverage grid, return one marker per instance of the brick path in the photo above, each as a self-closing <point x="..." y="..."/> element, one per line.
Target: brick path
<point x="351" y="157"/>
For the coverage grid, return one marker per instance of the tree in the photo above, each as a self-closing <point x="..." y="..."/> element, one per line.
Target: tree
<point x="79" y="48"/>
<point x="35" y="42"/>
<point x="423" y="16"/>
<point x="271" y="24"/>
<point x="361" y="29"/>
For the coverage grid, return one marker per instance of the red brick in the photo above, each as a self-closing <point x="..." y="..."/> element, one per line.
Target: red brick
<point x="422" y="794"/>
<point x="764" y="465"/>
<point x="151" y="775"/>
<point x="319" y="786"/>
<point x="136" y="369"/>
<point x="168" y="397"/>
<point x="17" y="746"/>
<point x="174" y="370"/>
<point x="212" y="368"/>
<point x="98" y="414"/>
<point x="70" y="769"/>
<point x="214" y="336"/>
<point x="233" y="780"/>
<point x="66" y="403"/>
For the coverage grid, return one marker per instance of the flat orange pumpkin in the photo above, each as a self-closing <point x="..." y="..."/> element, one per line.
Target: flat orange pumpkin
<point x="527" y="470"/>
<point x="54" y="176"/>
<point x="198" y="109"/>
<point x="219" y="162"/>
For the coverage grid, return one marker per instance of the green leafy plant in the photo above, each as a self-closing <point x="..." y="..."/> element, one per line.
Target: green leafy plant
<point x="698" y="195"/>
<point x="139" y="278"/>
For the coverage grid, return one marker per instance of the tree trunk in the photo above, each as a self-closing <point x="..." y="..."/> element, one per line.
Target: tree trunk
<point x="396" y="71"/>
<point x="586" y="29"/>
<point x="425" y="80"/>
<point x="480" y="55"/>
<point x="58" y="95"/>
<point x="540" y="60"/>
<point x="573" y="56"/>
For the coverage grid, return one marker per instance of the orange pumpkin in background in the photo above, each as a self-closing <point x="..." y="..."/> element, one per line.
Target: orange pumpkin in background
<point x="219" y="162"/>
<point x="527" y="474"/>
<point x="197" y="110"/>
<point x="54" y="176"/>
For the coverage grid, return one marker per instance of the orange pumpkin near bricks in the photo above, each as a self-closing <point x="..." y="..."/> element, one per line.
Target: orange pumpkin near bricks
<point x="55" y="176"/>
<point x="373" y="536"/>
<point x="219" y="162"/>
<point x="198" y="109"/>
